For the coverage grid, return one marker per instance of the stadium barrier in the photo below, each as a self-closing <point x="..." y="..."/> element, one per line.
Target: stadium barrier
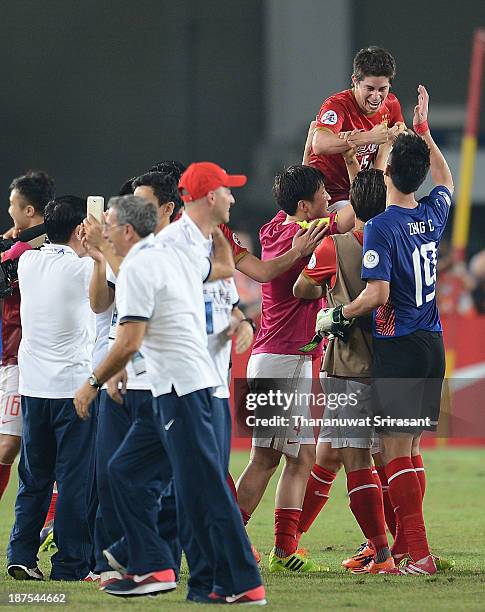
<point x="462" y="421"/>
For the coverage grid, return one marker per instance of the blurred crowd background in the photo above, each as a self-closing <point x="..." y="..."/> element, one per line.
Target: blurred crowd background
<point x="95" y="92"/>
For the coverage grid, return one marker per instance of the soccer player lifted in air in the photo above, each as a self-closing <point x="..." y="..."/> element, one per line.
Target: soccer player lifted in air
<point x="368" y="110"/>
<point x="399" y="265"/>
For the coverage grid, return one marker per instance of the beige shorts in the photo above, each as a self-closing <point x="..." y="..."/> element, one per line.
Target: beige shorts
<point x="10" y="408"/>
<point x="348" y="416"/>
<point x="293" y="374"/>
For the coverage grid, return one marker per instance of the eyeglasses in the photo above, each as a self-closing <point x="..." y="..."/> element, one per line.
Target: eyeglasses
<point x="107" y="227"/>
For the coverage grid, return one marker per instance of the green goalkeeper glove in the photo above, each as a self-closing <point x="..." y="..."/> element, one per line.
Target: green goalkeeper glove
<point x="331" y="321"/>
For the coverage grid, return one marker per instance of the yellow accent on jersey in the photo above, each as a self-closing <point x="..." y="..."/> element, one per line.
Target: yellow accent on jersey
<point x="306" y="224"/>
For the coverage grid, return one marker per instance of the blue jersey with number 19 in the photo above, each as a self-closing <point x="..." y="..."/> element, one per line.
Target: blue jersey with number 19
<point x="400" y="246"/>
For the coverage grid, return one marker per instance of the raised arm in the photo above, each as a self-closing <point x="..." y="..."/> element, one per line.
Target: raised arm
<point x="222" y="260"/>
<point x="440" y="171"/>
<point x="94" y="236"/>
<point x="308" y="143"/>
<point x="305" y="242"/>
<point x="101" y="295"/>
<point x="350" y="157"/>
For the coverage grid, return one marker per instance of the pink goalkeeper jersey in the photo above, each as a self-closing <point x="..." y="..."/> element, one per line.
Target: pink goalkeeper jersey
<point x="287" y="323"/>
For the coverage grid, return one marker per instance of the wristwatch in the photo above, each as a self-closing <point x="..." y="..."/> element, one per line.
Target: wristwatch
<point x="93" y="382"/>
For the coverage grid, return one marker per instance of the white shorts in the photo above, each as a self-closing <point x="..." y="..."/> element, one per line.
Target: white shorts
<point x="10" y="408"/>
<point x="347" y="400"/>
<point x="294" y="373"/>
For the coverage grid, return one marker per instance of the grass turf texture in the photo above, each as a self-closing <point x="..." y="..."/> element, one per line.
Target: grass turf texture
<point x="456" y="529"/>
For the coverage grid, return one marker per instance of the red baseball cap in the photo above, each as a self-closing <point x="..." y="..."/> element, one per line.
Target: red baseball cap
<point x="202" y="177"/>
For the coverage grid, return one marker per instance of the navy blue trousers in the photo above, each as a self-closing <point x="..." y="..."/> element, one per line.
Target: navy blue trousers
<point x="56" y="446"/>
<point x="167" y="529"/>
<point x="114" y="422"/>
<point x="210" y="525"/>
<point x="141" y="486"/>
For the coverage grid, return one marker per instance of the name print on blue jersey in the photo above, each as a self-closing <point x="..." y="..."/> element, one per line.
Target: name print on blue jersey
<point x="419" y="227"/>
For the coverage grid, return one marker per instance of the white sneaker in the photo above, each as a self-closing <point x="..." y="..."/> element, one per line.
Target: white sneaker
<point x="21" y="572"/>
<point x="113" y="562"/>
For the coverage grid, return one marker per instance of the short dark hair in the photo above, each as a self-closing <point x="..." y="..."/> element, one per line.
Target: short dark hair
<point x="368" y="194"/>
<point x="164" y="186"/>
<point x="61" y="217"/>
<point x="374" y="61"/>
<point x="294" y="184"/>
<point x="169" y="166"/>
<point x="127" y="187"/>
<point x="35" y="187"/>
<point x="408" y="162"/>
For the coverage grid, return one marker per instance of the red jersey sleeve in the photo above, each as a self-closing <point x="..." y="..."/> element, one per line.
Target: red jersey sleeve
<point x="331" y="116"/>
<point x="238" y="250"/>
<point x="16" y="250"/>
<point x="323" y="263"/>
<point x="396" y="112"/>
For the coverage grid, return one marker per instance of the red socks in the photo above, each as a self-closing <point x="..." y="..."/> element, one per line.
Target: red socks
<point x="366" y="504"/>
<point x="420" y="473"/>
<point x="286" y="522"/>
<point x="52" y="508"/>
<point x="388" y="509"/>
<point x="232" y="485"/>
<point x="316" y="496"/>
<point x="4" y="476"/>
<point x="245" y="516"/>
<point x="405" y="495"/>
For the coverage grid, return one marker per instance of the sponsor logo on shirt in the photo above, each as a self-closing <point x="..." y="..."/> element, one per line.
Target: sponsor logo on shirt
<point x="329" y="118"/>
<point x="371" y="259"/>
<point x="313" y="262"/>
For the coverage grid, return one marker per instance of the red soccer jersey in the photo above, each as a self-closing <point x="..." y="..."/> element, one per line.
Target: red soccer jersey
<point x="238" y="250"/>
<point x="11" y="327"/>
<point x="287" y="323"/>
<point x="341" y="113"/>
<point x="322" y="267"/>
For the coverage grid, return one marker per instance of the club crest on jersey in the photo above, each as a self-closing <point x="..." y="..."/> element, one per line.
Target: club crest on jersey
<point x="371" y="259"/>
<point x="312" y="263"/>
<point x="329" y="118"/>
<point x="236" y="239"/>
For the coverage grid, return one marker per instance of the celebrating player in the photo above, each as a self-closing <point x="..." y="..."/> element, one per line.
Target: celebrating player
<point x="367" y="110"/>
<point x="29" y="195"/>
<point x="301" y="194"/>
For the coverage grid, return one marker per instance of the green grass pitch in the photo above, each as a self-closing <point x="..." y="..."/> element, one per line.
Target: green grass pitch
<point x="456" y="527"/>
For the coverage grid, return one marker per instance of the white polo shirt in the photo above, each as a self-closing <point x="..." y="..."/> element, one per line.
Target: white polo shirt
<point x="58" y="325"/>
<point x="136" y="381"/>
<point x="220" y="297"/>
<point x="160" y="284"/>
<point x="103" y="322"/>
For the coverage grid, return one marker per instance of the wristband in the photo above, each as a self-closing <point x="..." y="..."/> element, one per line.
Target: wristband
<point x="421" y="128"/>
<point x="251" y="322"/>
